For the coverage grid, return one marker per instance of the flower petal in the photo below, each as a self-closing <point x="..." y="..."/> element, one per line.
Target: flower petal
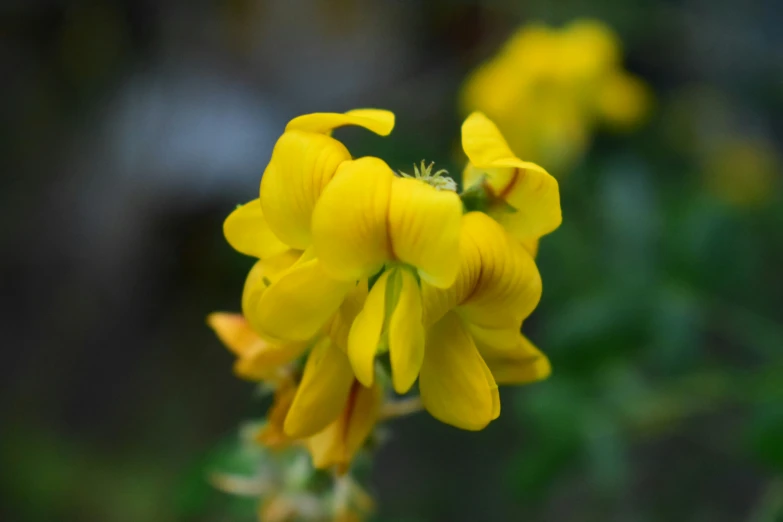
<point x="321" y="396"/>
<point x="339" y="442"/>
<point x="510" y="356"/>
<point x="508" y="287"/>
<point x="423" y="227"/>
<point x="345" y="316"/>
<point x="376" y="120"/>
<point x="406" y="334"/>
<point x="528" y="188"/>
<point x="263" y="273"/>
<point x="233" y="331"/>
<point x="247" y="232"/>
<point x="455" y="383"/>
<point x="366" y="331"/>
<point x="272" y="434"/>
<point x="300" y="302"/>
<point x="302" y="164"/>
<point x="349" y="221"/>
<point x="257" y="359"/>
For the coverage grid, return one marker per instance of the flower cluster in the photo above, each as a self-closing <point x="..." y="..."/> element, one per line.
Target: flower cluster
<point x="548" y="88"/>
<point x="378" y="280"/>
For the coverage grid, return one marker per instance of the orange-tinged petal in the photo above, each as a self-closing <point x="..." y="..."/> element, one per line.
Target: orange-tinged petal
<point x="300" y="302"/>
<point x="510" y="356"/>
<point x="233" y="331"/>
<point x="406" y="334"/>
<point x="302" y="164"/>
<point x="339" y="442"/>
<point x="423" y="226"/>
<point x="366" y="332"/>
<point x="321" y="395"/>
<point x="376" y="120"/>
<point x="455" y="384"/>
<point x="350" y="221"/>
<point x="528" y="188"/>
<point x="257" y="359"/>
<point x="247" y="232"/>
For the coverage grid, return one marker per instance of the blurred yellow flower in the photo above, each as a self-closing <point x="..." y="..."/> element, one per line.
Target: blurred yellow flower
<point x="742" y="172"/>
<point x="473" y="327"/>
<point x="548" y="88"/>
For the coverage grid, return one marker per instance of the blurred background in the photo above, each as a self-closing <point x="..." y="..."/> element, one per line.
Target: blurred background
<point x="131" y="129"/>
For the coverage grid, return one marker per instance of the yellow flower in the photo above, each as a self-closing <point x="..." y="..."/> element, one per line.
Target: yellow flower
<point x="370" y="222"/>
<point x="297" y="303"/>
<point x="524" y="198"/>
<point x="547" y="89"/>
<point x="473" y="339"/>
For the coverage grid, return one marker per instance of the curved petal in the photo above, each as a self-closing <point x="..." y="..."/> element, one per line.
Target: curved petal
<point x="271" y="434"/>
<point x="349" y="221"/>
<point x="510" y="356"/>
<point x="321" y="396"/>
<point x="263" y="274"/>
<point x="299" y="303"/>
<point x="376" y="120"/>
<point x="302" y="164"/>
<point x="339" y="442"/>
<point x="257" y="359"/>
<point x="423" y="226"/>
<point x="508" y="287"/>
<point x="455" y="384"/>
<point x="345" y="316"/>
<point x="233" y="331"/>
<point x="528" y="188"/>
<point x="437" y="301"/>
<point x="406" y="334"/>
<point x="366" y="332"/>
<point x="247" y="232"/>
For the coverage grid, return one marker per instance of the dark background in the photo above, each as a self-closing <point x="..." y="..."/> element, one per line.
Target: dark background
<point x="131" y="129"/>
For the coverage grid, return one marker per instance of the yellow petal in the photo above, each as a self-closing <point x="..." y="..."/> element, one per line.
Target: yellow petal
<point x="423" y="226"/>
<point x="406" y="334"/>
<point x="376" y="120"/>
<point x="247" y="232"/>
<point x="508" y="285"/>
<point x="455" y="384"/>
<point x="510" y="356"/>
<point x="528" y="188"/>
<point x="438" y="301"/>
<point x="349" y="222"/>
<point x="531" y="245"/>
<point x="349" y="309"/>
<point x="302" y="164"/>
<point x="366" y="331"/>
<point x="321" y="396"/>
<point x="299" y="303"/>
<point x="263" y="273"/>
<point x="339" y="442"/>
